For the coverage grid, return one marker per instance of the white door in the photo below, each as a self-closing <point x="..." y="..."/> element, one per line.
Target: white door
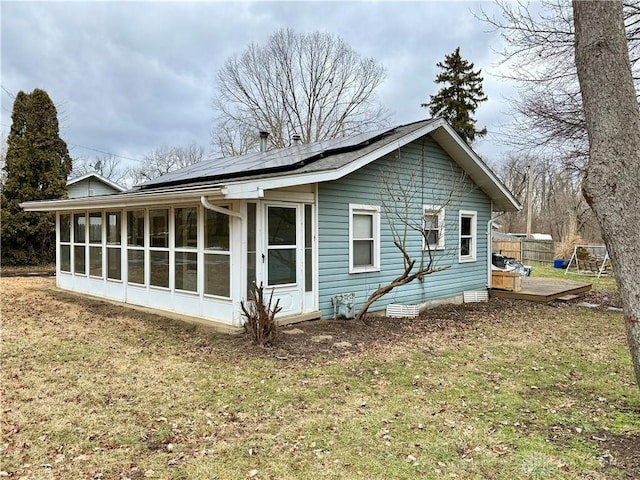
<point x="283" y="256"/>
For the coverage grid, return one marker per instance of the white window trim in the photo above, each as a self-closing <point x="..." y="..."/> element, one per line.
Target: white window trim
<point x="374" y="211"/>
<point x="474" y="235"/>
<point x="434" y="209"/>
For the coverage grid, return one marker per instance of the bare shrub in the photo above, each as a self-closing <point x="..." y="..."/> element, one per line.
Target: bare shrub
<point x="564" y="248"/>
<point x="260" y="318"/>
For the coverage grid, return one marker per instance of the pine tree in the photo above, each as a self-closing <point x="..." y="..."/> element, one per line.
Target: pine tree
<point x="458" y="100"/>
<point x="36" y="168"/>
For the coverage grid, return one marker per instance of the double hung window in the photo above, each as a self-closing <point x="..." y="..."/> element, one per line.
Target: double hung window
<point x="468" y="236"/>
<point x="433" y="225"/>
<point x="364" y="238"/>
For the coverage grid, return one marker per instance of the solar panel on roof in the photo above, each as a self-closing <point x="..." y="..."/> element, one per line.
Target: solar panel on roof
<point x="282" y="158"/>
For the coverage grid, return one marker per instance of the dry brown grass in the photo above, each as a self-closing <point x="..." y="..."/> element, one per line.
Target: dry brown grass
<point x="499" y="390"/>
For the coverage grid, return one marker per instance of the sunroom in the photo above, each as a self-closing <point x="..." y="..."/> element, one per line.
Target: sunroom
<point x="199" y="255"/>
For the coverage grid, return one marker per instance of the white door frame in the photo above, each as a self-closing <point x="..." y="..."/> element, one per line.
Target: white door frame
<point x="291" y="295"/>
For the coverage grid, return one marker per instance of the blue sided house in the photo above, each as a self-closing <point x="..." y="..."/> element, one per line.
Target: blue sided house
<point x="314" y="223"/>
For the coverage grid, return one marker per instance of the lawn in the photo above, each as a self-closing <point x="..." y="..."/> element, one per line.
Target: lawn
<point x="497" y="390"/>
<point x="605" y="283"/>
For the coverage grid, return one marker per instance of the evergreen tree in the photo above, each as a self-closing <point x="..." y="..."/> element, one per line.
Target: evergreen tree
<point x="458" y="100"/>
<point x="36" y="168"/>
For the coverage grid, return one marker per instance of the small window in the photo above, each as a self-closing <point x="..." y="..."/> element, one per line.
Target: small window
<point x="135" y="228"/>
<point x="433" y="225"/>
<point x="159" y="225"/>
<point x="79" y="228"/>
<point x="65" y="228"/>
<point x="186" y="227"/>
<point x="364" y="238"/>
<point x="65" y="258"/>
<point x="95" y="227"/>
<point x="113" y="228"/>
<point x="468" y="236"/>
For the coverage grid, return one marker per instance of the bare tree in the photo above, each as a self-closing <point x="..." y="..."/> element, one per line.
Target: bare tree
<point x="539" y="56"/>
<point x="232" y="138"/>
<point x="613" y="123"/>
<point x="314" y="85"/>
<point x="109" y="166"/>
<point x="558" y="207"/>
<point x="166" y="159"/>
<point x="403" y="200"/>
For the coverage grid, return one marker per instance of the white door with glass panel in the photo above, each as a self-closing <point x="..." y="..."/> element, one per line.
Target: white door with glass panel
<point x="283" y="256"/>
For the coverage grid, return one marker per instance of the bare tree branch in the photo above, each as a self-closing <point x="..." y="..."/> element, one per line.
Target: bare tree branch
<point x="312" y="84"/>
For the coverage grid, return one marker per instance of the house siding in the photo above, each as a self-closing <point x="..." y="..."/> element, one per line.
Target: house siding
<point x="433" y="172"/>
<point x="81" y="188"/>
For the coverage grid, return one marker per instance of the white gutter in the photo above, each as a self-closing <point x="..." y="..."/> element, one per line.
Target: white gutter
<point x="122" y="200"/>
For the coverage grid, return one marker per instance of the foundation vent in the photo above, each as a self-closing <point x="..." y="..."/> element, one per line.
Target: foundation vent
<point x="396" y="310"/>
<point x="472" y="296"/>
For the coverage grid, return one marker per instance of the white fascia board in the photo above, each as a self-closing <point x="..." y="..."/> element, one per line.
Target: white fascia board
<point x="252" y="188"/>
<point x="132" y="199"/>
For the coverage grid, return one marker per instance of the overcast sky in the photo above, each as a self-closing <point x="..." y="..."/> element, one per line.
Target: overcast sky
<point x="130" y="77"/>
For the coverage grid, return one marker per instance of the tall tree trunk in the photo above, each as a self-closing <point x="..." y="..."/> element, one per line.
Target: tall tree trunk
<point x="613" y="172"/>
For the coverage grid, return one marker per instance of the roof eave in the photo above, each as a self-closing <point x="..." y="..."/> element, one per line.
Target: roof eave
<point x="122" y="200"/>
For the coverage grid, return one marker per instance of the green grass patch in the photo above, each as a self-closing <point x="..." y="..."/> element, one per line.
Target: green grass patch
<point x="606" y="283"/>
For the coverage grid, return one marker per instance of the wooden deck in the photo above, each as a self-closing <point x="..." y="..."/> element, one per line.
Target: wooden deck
<point x="536" y="289"/>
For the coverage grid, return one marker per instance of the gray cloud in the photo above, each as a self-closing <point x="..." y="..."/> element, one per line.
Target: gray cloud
<point x="129" y="77"/>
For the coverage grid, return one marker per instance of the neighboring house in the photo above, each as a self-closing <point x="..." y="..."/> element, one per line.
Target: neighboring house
<point x="91" y="185"/>
<point x="306" y="221"/>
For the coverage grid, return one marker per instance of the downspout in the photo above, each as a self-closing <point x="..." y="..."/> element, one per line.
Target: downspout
<point x="225" y="211"/>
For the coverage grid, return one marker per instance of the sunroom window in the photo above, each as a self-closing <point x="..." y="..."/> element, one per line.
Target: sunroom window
<point x="186" y="244"/>
<point x="114" y="252"/>
<point x="159" y="247"/>
<point x="135" y="246"/>
<point x="217" y="259"/>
